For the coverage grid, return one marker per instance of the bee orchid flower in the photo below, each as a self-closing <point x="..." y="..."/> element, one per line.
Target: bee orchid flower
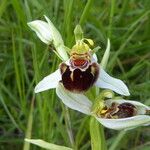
<point x="112" y="113"/>
<point x="80" y="71"/>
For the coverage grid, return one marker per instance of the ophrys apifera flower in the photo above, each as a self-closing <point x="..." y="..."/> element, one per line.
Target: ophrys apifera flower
<point x="79" y="71"/>
<point x="112" y="113"/>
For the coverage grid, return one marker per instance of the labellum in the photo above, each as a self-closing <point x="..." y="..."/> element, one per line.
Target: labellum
<point x="116" y="111"/>
<point x="81" y="72"/>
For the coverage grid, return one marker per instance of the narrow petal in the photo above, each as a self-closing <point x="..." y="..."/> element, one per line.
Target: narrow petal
<point x="49" y="82"/>
<point x="107" y="82"/>
<point x="125" y="123"/>
<point x="106" y="55"/>
<point x="42" y="30"/>
<point x="74" y="101"/>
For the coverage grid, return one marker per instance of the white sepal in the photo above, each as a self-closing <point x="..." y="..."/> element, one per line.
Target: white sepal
<point x="125" y="123"/>
<point x="57" y="40"/>
<point x="74" y="101"/>
<point x="55" y="33"/>
<point x="49" y="82"/>
<point x="107" y="82"/>
<point x="42" y="30"/>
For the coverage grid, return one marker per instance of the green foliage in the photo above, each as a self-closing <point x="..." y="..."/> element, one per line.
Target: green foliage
<point x="25" y="60"/>
<point x="47" y="145"/>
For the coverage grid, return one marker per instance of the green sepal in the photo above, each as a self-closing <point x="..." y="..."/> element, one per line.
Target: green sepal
<point x="78" y="32"/>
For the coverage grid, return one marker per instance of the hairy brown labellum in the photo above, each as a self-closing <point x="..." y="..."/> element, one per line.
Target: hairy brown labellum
<point x="79" y="76"/>
<point x="116" y="110"/>
<point x="126" y="110"/>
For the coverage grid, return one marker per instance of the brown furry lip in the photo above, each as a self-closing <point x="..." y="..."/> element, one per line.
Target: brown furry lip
<point x="78" y="80"/>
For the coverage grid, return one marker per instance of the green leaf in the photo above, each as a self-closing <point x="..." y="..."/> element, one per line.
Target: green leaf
<point x="47" y="145"/>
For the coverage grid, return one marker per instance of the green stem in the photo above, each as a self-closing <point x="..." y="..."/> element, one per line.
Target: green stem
<point x="104" y="145"/>
<point x="97" y="135"/>
<point x="26" y="145"/>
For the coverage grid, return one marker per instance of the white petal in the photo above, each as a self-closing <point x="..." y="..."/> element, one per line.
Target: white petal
<point x="49" y="82"/>
<point x="42" y="30"/>
<point x="74" y="101"/>
<point x="141" y="108"/>
<point x="106" y="55"/>
<point x="125" y="123"/>
<point x="108" y="82"/>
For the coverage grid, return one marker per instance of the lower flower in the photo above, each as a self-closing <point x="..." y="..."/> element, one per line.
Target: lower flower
<point x="116" y="114"/>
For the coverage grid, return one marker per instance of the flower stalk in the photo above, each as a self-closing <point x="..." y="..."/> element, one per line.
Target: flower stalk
<point x="98" y="141"/>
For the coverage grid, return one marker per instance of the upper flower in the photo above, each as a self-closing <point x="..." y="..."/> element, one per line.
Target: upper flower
<point x="80" y="71"/>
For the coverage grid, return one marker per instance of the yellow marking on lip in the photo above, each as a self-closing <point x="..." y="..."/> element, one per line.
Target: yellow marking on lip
<point x="92" y="70"/>
<point x="71" y="76"/>
<point x="103" y="111"/>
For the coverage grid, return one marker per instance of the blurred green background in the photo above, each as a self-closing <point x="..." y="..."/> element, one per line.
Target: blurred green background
<point x="25" y="60"/>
